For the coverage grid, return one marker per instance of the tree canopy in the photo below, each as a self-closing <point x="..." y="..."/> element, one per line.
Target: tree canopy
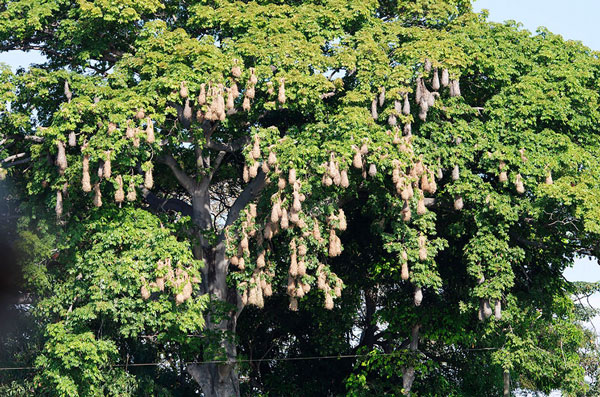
<point x="226" y="195"/>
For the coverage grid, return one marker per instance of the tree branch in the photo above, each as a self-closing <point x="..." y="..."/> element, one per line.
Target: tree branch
<point x="217" y="164"/>
<point x="230" y="147"/>
<point x="249" y="193"/>
<point x="18" y="162"/>
<point x="166" y="204"/>
<point x="184" y="179"/>
<point x="14" y="157"/>
<point x="34" y="138"/>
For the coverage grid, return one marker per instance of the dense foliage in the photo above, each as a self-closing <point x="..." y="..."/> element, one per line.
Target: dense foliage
<point x="398" y="182"/>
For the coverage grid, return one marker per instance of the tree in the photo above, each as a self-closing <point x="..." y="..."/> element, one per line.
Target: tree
<point x="437" y="168"/>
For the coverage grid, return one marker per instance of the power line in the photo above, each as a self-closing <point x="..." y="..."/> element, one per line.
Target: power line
<point x="249" y="360"/>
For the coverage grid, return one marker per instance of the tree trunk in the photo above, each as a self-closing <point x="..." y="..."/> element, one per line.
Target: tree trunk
<point x="216" y="379"/>
<point x="408" y="375"/>
<point x="506" y="392"/>
<point x="368" y="334"/>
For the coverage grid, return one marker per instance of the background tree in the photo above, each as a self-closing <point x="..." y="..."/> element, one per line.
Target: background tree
<point x="431" y="172"/>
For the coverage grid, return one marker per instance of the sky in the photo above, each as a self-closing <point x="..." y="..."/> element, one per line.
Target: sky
<point x="573" y="19"/>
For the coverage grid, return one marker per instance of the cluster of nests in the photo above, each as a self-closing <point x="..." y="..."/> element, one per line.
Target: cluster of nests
<point x="251" y="171"/>
<point x="285" y="213"/>
<point x="259" y="286"/>
<point x="212" y="106"/>
<point x="104" y="168"/>
<point x="327" y="281"/>
<point x="104" y="171"/>
<point x="519" y="186"/>
<point x="215" y="101"/>
<point x="423" y="97"/>
<point x="412" y="178"/>
<point x="178" y="280"/>
<point x="485" y="309"/>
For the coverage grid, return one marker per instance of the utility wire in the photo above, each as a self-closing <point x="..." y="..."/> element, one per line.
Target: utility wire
<point x="249" y="360"/>
<point x="231" y="361"/>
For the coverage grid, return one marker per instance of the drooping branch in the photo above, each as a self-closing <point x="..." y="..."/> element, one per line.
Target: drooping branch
<point x="217" y="164"/>
<point x="184" y="179"/>
<point x="15" y="159"/>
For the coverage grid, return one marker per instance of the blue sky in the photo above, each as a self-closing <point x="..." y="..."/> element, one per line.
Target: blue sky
<point x="574" y="19"/>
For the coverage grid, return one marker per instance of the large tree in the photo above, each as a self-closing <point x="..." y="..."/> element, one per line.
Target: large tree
<point x="435" y="171"/>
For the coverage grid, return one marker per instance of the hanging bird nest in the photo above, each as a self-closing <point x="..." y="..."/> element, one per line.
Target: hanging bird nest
<point x="149" y="131"/>
<point x="148" y="179"/>
<point x="519" y="184"/>
<point x="85" y="180"/>
<point x="119" y="193"/>
<point x="131" y="192"/>
<point x="445" y="80"/>
<point x="97" y="196"/>
<point x="183" y="90"/>
<point x="435" y="81"/>
<point x="236" y="71"/>
<point x="281" y="94"/>
<point x="61" y="157"/>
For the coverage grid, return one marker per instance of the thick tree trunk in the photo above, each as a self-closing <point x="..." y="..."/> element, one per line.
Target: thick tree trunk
<point x="216" y="379"/>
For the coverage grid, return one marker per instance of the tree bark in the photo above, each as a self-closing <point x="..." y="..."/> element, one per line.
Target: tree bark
<point x="368" y="335"/>
<point x="506" y="392"/>
<point x="215" y="379"/>
<point x="408" y="375"/>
